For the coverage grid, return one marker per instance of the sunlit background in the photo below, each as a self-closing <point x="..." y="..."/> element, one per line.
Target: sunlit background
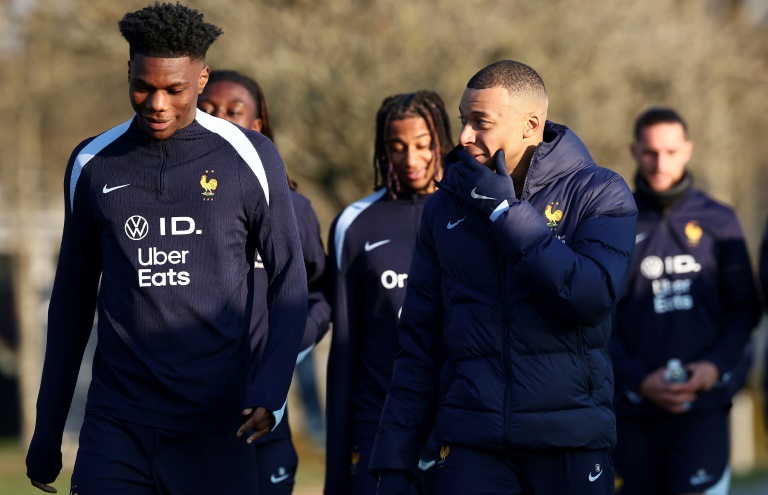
<point x="325" y="67"/>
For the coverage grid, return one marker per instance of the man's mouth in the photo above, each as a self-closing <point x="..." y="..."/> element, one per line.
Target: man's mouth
<point x="157" y="125"/>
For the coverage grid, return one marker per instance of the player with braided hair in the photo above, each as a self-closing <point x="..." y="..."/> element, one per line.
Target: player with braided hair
<point x="370" y="248"/>
<point x="164" y="215"/>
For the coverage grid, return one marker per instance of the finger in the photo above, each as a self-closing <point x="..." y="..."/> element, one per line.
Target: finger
<point x="43" y="487"/>
<point x="500" y="163"/>
<point x="247" y="426"/>
<point x="470" y="161"/>
<point x="257" y="434"/>
<point x="247" y="412"/>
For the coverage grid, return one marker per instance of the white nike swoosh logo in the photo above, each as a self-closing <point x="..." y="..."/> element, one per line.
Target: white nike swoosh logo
<point x="593" y="478"/>
<point x="640" y="237"/>
<point x="371" y="247"/>
<point x="277" y="479"/>
<point x="110" y="189"/>
<point x="480" y="196"/>
<point x="423" y="465"/>
<point x="697" y="480"/>
<point x="453" y="224"/>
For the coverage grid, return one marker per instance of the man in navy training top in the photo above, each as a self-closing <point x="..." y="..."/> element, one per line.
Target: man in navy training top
<point x="168" y="210"/>
<point x="521" y="256"/>
<point x="690" y="296"/>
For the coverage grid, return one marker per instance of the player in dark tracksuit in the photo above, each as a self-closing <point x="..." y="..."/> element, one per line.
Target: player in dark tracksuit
<point x="370" y="246"/>
<point x="164" y="215"/>
<point x="690" y="295"/>
<point x="239" y="99"/>
<point x="506" y="319"/>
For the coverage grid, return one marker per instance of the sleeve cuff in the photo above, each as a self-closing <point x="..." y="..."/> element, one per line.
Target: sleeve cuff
<point x="503" y="206"/>
<point x="279" y="415"/>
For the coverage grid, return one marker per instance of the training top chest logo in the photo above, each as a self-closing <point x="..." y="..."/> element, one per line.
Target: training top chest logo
<point x="208" y="185"/>
<point x="553" y="215"/>
<point x="136" y="227"/>
<point x="693" y="232"/>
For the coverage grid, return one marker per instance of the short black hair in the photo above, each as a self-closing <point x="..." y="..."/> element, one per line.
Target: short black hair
<point x="658" y="115"/>
<point x="516" y="77"/>
<point x="262" y="111"/>
<point x="168" y="31"/>
<point x="425" y="104"/>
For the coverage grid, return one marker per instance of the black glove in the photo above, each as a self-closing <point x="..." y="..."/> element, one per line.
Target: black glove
<point x="481" y="187"/>
<point x="394" y="483"/>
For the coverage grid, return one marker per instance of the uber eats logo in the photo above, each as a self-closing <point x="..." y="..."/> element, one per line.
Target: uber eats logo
<point x="137" y="228"/>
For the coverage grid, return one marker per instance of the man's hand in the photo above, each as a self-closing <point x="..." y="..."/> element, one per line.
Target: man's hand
<point x="43" y="487"/>
<point x="672" y="397"/>
<point x="704" y="375"/>
<point x="481" y="187"/>
<point x="260" y="420"/>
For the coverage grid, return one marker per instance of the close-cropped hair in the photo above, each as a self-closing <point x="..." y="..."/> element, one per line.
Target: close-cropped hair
<point x="658" y="115"/>
<point x="425" y="104"/>
<point x="262" y="111"/>
<point x="168" y="31"/>
<point x="516" y="77"/>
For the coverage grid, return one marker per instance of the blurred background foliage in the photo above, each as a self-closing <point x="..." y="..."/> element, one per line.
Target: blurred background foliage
<point x="326" y="66"/>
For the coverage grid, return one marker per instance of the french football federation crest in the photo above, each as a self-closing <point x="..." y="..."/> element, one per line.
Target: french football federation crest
<point x="354" y="461"/>
<point x="444" y="451"/>
<point x="553" y="216"/>
<point x="693" y="232"/>
<point x="208" y="185"/>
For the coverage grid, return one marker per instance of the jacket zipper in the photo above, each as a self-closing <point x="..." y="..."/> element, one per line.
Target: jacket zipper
<point x="161" y="174"/>
<point x="580" y="348"/>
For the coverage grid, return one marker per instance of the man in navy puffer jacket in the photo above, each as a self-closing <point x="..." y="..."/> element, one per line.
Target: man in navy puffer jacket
<point x="521" y="257"/>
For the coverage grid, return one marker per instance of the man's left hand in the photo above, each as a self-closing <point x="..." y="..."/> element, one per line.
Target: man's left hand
<point x="260" y="420"/>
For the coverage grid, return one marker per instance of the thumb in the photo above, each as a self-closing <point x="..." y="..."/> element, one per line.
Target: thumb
<point x="500" y="163"/>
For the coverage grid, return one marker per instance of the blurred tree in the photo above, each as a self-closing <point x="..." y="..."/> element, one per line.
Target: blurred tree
<point x="326" y="66"/>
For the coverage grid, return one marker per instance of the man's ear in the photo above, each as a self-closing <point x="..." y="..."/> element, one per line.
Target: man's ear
<point x="257" y="125"/>
<point x="533" y="123"/>
<point x="203" y="79"/>
<point x="129" y="71"/>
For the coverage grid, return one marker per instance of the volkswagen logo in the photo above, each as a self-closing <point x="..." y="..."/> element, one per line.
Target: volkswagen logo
<point x="136" y="227"/>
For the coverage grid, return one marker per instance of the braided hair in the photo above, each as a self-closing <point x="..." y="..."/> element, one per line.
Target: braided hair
<point x="425" y="104"/>
<point x="168" y="31"/>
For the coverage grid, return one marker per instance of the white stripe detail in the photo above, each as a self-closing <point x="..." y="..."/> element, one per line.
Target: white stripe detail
<point x="348" y="216"/>
<point x="89" y="151"/>
<point x="721" y="487"/>
<point x="279" y="415"/>
<point x="304" y="353"/>
<point x="240" y="142"/>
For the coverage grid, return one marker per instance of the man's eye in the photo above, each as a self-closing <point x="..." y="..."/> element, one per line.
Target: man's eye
<point x="463" y="120"/>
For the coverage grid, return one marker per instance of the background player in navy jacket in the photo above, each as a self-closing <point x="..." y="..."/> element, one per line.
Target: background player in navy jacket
<point x="370" y="248"/>
<point x="168" y="210"/>
<point x="239" y="99"/>
<point x="691" y="296"/>
<point x="521" y="256"/>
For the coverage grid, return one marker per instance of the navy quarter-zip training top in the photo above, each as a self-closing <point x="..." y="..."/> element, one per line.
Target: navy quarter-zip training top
<point x="171" y="228"/>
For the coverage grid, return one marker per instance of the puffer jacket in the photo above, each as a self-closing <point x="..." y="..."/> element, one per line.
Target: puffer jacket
<point x="505" y="325"/>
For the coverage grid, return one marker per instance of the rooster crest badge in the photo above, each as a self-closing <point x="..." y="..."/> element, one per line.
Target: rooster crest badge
<point x="553" y="216"/>
<point x="208" y="185"/>
<point x="693" y="232"/>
